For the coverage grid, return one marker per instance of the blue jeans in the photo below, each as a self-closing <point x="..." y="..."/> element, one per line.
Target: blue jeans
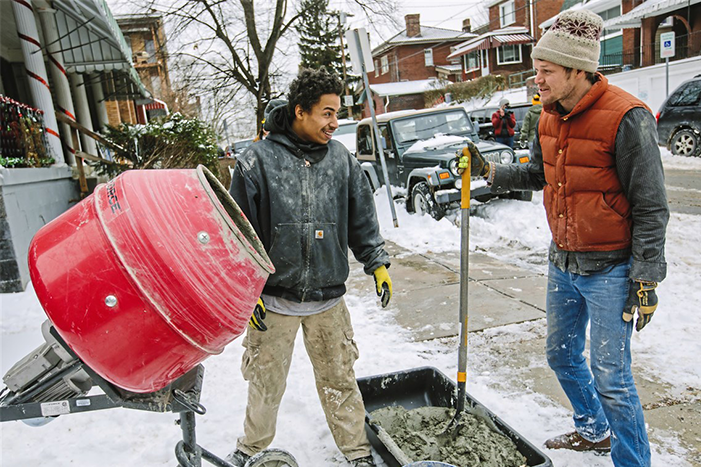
<point x="607" y="400"/>
<point x="508" y="140"/>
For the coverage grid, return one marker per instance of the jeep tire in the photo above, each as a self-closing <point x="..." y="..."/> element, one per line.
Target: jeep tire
<point x="423" y="202"/>
<point x="521" y="195"/>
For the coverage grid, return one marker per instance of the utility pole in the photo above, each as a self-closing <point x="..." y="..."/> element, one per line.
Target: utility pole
<point x="226" y="131"/>
<point x="361" y="57"/>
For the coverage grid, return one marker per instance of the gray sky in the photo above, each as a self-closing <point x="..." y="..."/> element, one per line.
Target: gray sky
<point x="447" y="14"/>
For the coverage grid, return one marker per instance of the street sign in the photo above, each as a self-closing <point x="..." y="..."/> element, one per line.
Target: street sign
<point x="359" y="49"/>
<point x="667" y="45"/>
<point x="348" y="101"/>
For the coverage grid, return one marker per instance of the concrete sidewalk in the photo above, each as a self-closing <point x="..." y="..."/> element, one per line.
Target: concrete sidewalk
<point x="426" y="301"/>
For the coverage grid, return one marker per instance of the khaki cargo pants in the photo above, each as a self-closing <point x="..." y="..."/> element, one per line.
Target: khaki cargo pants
<point x="328" y="338"/>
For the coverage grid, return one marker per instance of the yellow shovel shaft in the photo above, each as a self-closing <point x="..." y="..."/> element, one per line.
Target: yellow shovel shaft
<point x="465" y="190"/>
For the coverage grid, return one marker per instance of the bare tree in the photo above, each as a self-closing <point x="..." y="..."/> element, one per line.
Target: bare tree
<point x="232" y="50"/>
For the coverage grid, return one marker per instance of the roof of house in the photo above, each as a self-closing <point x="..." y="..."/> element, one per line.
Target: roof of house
<point x="403" y="88"/>
<point x="94" y="43"/>
<point x="428" y="34"/>
<point x="651" y="8"/>
<point x="452" y="68"/>
<point x="491" y="39"/>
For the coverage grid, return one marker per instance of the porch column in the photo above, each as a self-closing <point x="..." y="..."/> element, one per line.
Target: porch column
<point x="99" y="96"/>
<point x="61" y="87"/>
<point x="83" y="110"/>
<point x="36" y="71"/>
<point x="141" y="114"/>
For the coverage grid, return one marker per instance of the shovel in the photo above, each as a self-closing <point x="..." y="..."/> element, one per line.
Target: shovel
<point x="451" y="429"/>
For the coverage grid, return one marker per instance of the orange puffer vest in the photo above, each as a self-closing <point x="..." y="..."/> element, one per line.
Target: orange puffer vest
<point x="584" y="200"/>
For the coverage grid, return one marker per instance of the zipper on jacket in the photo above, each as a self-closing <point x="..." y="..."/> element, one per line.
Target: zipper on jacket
<point x="306" y="199"/>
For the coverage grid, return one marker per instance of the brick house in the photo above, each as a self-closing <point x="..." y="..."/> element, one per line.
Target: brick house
<point x="146" y="37"/>
<point x="614" y="40"/>
<point x="404" y="95"/>
<point x="503" y="51"/>
<point x="631" y="35"/>
<point x="417" y="53"/>
<point x="643" y="24"/>
<point x="505" y="47"/>
<point x="415" y="58"/>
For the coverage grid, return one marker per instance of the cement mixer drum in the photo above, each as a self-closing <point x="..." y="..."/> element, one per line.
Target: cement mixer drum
<point x="149" y="275"/>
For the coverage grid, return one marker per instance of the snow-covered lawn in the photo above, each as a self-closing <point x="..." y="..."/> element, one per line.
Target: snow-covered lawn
<point x="512" y="231"/>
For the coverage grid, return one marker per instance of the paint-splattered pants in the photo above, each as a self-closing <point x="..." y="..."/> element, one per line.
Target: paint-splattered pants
<point x="604" y="396"/>
<point x="328" y="338"/>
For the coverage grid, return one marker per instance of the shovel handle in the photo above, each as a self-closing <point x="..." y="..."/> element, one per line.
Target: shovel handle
<point x="464" y="271"/>
<point x="465" y="177"/>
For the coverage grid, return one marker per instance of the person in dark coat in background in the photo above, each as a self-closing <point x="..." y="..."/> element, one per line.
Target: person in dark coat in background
<point x="309" y="201"/>
<point x="503" y="122"/>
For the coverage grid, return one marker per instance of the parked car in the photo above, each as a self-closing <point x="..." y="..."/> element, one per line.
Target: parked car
<point x="483" y="117"/>
<point x="679" y="119"/>
<point x="241" y="145"/>
<point x="345" y="133"/>
<point x="420" y="153"/>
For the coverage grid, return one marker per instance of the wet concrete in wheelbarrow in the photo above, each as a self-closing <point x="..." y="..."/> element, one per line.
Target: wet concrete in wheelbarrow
<point x="420" y="434"/>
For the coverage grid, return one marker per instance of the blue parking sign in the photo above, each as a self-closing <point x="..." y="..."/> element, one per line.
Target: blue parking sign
<point x="667" y="44"/>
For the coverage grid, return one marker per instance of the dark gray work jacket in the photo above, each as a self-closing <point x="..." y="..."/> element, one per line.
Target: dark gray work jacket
<point x="308" y="213"/>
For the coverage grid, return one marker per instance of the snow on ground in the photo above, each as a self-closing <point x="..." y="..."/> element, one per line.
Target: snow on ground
<point x="512" y="231"/>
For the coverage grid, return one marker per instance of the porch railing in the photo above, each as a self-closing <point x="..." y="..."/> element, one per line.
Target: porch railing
<point x="686" y="46"/>
<point x="516" y="80"/>
<point x="76" y="128"/>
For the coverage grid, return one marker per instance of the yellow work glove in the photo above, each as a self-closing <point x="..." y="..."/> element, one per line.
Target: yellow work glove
<point x="256" y="321"/>
<point x="383" y="285"/>
<point x="642" y="300"/>
<point x="479" y="167"/>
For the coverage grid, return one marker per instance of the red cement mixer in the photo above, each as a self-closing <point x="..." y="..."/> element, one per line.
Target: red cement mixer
<point x="149" y="275"/>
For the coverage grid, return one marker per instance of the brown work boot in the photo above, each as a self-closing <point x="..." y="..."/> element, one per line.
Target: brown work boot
<point x="367" y="461"/>
<point x="575" y="442"/>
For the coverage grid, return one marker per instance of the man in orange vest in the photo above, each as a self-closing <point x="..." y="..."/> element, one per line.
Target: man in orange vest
<point x="595" y="156"/>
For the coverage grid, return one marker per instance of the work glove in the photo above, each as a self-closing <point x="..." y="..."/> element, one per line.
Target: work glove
<point x="256" y="321"/>
<point x="642" y="300"/>
<point x="383" y="285"/>
<point x="479" y="167"/>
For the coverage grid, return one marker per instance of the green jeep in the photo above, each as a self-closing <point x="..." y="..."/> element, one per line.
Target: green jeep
<point x="420" y="152"/>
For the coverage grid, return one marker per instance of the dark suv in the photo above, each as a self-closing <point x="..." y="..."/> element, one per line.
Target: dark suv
<point x="483" y="117"/>
<point x="679" y="119"/>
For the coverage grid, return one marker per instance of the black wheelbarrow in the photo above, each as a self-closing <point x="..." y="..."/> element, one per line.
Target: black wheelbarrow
<point x="427" y="386"/>
<point x="422" y="387"/>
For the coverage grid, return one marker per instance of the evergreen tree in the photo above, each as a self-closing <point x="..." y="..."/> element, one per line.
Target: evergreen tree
<point x="318" y="30"/>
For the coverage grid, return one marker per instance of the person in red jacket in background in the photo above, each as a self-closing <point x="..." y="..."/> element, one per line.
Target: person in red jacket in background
<point x="503" y="121"/>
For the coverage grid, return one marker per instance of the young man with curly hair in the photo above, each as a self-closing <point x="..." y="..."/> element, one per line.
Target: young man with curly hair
<point x="308" y="200"/>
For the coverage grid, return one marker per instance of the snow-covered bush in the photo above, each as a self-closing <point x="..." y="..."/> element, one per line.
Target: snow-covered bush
<point x="482" y="88"/>
<point x="174" y="143"/>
